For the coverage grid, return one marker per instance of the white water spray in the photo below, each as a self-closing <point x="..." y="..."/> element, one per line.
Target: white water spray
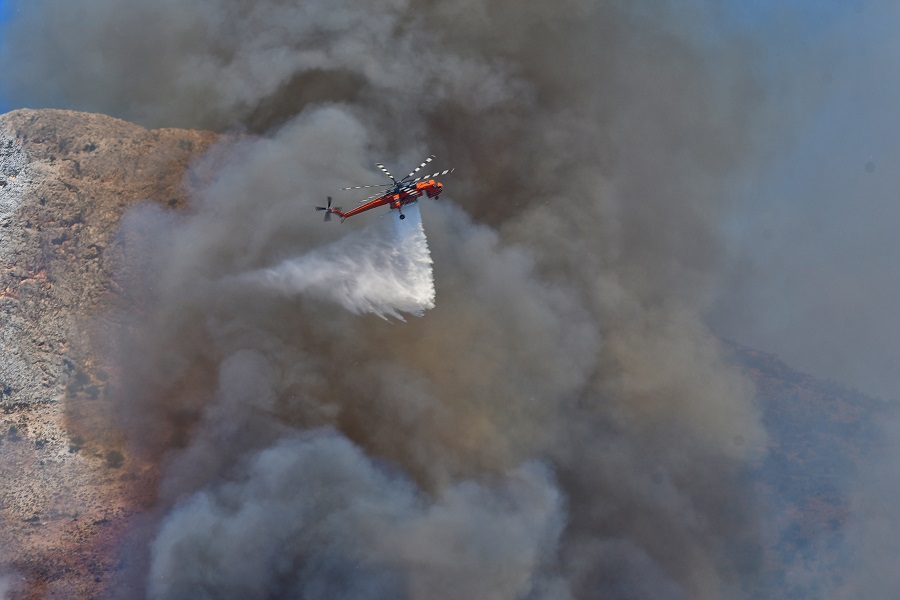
<point x="383" y="270"/>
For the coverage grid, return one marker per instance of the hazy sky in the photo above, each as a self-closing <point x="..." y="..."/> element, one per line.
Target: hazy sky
<point x="813" y="236"/>
<point x="5" y="10"/>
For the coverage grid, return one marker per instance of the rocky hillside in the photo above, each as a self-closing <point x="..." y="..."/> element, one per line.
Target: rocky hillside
<point x="65" y="180"/>
<point x="821" y="436"/>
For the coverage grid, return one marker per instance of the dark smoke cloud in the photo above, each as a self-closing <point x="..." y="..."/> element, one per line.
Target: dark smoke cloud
<point x="560" y="425"/>
<point x="214" y="64"/>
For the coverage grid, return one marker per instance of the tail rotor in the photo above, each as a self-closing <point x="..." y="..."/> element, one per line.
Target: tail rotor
<point x="328" y="210"/>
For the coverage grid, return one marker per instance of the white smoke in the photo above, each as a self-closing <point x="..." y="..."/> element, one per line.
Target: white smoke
<point x="371" y="271"/>
<point x="339" y="525"/>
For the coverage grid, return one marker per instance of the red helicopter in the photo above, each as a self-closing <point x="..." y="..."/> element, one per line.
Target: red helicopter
<point x="396" y="195"/>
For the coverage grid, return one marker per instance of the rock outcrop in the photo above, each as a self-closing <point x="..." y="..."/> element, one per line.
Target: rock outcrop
<point x="66" y="179"/>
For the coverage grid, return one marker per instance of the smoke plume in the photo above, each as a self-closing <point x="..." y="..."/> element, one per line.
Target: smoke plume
<point x="560" y="425"/>
<point x="340" y="526"/>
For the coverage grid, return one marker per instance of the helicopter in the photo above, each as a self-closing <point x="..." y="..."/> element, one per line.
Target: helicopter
<point x="395" y="195"/>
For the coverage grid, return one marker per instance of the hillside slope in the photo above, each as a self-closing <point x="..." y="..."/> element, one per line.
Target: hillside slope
<point x="66" y="178"/>
<point x="821" y="435"/>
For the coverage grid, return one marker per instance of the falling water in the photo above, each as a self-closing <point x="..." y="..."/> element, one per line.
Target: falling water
<point x="385" y="270"/>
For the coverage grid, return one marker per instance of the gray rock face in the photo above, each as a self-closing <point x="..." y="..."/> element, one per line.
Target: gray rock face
<point x="27" y="372"/>
<point x="13" y="179"/>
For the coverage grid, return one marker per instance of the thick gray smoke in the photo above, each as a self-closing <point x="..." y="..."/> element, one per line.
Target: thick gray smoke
<point x="337" y="525"/>
<point x="560" y="425"/>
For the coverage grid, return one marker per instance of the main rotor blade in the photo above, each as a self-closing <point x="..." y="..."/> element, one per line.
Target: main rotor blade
<point x="438" y="174"/>
<point x="363" y="201"/>
<point x="416" y="170"/>
<point x="386" y="172"/>
<point x="359" y="187"/>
